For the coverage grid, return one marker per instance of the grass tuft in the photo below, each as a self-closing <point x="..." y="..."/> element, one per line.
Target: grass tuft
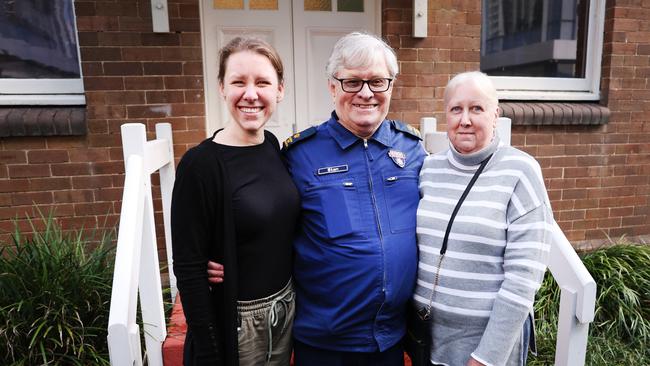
<point x="621" y="327"/>
<point x="54" y="298"/>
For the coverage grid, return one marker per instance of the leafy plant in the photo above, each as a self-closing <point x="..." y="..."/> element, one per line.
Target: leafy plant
<point x="621" y="327"/>
<point x="54" y="298"/>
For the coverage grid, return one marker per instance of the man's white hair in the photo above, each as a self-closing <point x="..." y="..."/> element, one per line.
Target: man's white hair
<point x="358" y="50"/>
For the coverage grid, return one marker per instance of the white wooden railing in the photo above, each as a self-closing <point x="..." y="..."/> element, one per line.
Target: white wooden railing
<point x="136" y="260"/>
<point x="578" y="288"/>
<point x="137" y="268"/>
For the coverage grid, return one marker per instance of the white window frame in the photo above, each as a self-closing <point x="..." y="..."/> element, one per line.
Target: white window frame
<point x="45" y="91"/>
<point x="571" y="89"/>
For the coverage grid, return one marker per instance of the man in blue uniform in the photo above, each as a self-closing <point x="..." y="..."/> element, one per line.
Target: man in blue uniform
<point x="355" y="255"/>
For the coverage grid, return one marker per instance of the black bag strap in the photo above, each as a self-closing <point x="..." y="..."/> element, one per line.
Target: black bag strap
<point x="478" y="172"/>
<point x="425" y="312"/>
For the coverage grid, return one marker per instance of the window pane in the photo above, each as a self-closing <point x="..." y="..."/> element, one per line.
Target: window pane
<point x="318" y="5"/>
<point x="38" y="40"/>
<point x="350" y="5"/>
<point x="228" y="4"/>
<point x="542" y="38"/>
<point x="264" y="4"/>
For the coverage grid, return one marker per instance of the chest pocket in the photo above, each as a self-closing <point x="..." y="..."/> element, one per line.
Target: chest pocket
<point x="402" y="198"/>
<point x="337" y="204"/>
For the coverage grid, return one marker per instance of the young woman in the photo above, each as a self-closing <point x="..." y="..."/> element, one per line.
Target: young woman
<point x="234" y="203"/>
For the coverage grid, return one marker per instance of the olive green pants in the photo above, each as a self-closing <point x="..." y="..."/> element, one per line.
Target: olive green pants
<point x="266" y="329"/>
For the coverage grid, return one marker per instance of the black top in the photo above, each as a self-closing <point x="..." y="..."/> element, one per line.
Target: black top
<point x="265" y="205"/>
<point x="203" y="229"/>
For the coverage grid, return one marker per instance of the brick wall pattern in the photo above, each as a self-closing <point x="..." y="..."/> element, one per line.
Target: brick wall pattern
<point x="597" y="176"/>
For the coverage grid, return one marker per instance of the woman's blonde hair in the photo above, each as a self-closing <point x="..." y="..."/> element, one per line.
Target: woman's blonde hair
<point x="481" y="80"/>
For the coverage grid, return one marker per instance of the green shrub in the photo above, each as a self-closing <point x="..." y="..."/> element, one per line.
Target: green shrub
<point x="54" y="298"/>
<point x="621" y="326"/>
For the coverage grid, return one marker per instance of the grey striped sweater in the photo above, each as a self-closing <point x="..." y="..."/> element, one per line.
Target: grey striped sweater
<point x="496" y="255"/>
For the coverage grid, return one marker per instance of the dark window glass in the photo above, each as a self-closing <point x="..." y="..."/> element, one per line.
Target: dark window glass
<point x="350" y="5"/>
<point x="38" y="40"/>
<point x="545" y="38"/>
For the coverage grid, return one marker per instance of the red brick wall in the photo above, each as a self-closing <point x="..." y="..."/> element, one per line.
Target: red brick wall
<point x="130" y="75"/>
<point x="597" y="176"/>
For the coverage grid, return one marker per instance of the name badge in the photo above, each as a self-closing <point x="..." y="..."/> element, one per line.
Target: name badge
<point x="332" y="169"/>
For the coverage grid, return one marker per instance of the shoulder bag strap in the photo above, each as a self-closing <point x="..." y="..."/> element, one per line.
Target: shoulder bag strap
<point x="426" y="312"/>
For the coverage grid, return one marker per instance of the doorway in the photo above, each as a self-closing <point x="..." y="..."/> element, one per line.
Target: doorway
<point x="303" y="32"/>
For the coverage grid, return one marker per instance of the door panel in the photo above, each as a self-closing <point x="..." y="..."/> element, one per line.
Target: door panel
<point x="314" y="36"/>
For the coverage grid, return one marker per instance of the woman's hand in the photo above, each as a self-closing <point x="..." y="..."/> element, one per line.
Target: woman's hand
<point x="215" y="272"/>
<point x="473" y="362"/>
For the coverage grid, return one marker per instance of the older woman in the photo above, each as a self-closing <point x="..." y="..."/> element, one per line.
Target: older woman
<point x="479" y="273"/>
<point x="234" y="203"/>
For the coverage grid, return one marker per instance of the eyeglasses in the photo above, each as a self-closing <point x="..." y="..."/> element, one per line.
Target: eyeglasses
<point x="378" y="85"/>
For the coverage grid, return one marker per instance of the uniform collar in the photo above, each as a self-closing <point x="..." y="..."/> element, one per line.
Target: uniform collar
<point x="345" y="138"/>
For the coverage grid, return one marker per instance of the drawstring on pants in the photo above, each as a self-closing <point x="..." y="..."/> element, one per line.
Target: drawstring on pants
<point x="271" y="306"/>
<point x="272" y="319"/>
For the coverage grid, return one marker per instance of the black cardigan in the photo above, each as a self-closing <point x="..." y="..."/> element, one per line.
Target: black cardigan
<point x="202" y="230"/>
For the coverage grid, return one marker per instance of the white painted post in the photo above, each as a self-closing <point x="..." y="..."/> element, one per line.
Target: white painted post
<point x="565" y="263"/>
<point x="427" y="125"/>
<point x="433" y="140"/>
<point x="571" y="345"/>
<point x="136" y="262"/>
<point x="122" y="328"/>
<point x="504" y="127"/>
<point x="134" y="141"/>
<point x="151" y="302"/>
<point x="577" y="301"/>
<point x="167" y="175"/>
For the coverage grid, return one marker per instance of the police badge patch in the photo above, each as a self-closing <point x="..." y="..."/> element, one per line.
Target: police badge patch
<point x="399" y="158"/>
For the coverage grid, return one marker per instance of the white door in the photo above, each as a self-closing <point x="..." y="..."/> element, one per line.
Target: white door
<point x="304" y="39"/>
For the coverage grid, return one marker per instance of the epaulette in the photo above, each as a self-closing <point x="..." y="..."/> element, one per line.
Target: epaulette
<point x="298" y="136"/>
<point x="406" y="128"/>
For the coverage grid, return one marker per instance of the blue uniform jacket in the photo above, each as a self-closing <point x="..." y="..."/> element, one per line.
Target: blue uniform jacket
<point x="355" y="255"/>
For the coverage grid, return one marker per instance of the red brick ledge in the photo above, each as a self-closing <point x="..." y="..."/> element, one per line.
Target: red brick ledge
<point x="172" y="348"/>
<point x="555" y="113"/>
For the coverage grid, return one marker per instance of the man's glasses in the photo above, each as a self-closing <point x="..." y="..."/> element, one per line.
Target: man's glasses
<point x="378" y="85"/>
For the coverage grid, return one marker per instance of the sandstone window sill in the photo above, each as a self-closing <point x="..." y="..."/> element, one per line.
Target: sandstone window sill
<point x="554" y="113"/>
<point x="20" y="121"/>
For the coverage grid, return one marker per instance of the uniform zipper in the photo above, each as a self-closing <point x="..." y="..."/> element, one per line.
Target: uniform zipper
<point x="374" y="205"/>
